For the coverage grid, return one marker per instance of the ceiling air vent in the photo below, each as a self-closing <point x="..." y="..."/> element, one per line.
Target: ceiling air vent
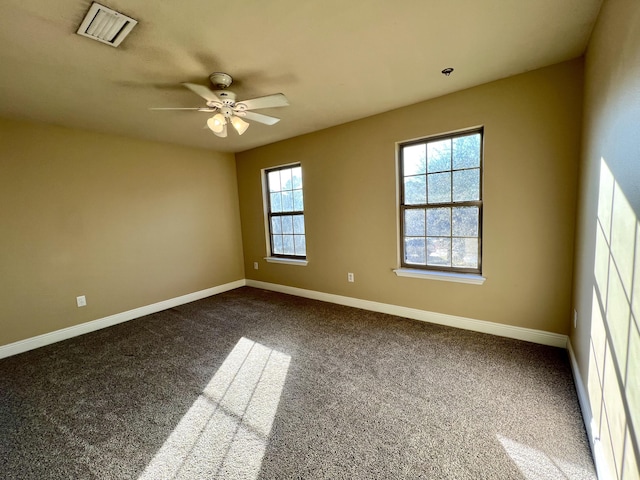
<point x="106" y="25"/>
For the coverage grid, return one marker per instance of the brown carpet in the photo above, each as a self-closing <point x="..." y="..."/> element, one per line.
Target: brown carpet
<point x="260" y="385"/>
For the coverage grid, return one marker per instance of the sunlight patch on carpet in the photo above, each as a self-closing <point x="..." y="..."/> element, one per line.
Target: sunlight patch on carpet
<point x="535" y="464"/>
<point x="225" y="432"/>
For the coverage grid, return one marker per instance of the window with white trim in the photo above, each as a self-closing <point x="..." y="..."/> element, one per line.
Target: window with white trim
<point x="441" y="202"/>
<point x="285" y="212"/>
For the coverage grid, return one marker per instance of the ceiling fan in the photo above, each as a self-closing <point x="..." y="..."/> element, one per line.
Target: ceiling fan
<point x="227" y="110"/>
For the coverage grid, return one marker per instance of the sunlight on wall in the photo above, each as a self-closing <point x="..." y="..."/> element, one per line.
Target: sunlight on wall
<point x="614" y="361"/>
<point x="537" y="465"/>
<point x="225" y="432"/>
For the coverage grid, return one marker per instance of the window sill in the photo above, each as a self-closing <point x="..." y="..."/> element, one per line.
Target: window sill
<point x="287" y="261"/>
<point x="442" y="276"/>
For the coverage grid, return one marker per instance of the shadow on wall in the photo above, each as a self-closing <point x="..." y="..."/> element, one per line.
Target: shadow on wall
<point x="614" y="358"/>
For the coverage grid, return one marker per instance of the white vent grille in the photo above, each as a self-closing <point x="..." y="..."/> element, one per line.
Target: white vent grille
<point x="106" y="25"/>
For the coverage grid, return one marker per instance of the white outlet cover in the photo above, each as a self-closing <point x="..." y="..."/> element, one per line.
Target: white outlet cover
<point x="81" y="301"/>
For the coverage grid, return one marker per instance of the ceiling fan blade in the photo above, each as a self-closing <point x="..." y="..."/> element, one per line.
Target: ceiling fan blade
<point x="198" y="109"/>
<point x="269" y="101"/>
<point x="258" y="117"/>
<point x="203" y="91"/>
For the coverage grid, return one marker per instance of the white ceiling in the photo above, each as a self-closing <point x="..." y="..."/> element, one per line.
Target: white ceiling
<point x="335" y="60"/>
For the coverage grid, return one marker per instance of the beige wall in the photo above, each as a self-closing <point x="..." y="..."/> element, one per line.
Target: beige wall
<point x="607" y="278"/>
<point x="532" y="140"/>
<point x="125" y="222"/>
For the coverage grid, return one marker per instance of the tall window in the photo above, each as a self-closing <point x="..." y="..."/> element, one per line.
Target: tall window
<point x="441" y="202"/>
<point x="285" y="212"/>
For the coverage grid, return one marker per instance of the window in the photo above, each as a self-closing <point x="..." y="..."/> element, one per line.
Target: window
<point x="285" y="212"/>
<point x="441" y="203"/>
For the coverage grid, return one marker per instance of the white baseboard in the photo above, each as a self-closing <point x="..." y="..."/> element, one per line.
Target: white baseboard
<point x="70" y="332"/>
<point x="527" y="334"/>
<point x="587" y="417"/>
<point x="502" y="330"/>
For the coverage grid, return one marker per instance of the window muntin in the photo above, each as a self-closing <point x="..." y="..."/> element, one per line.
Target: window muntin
<point x="441" y="202"/>
<point x="285" y="212"/>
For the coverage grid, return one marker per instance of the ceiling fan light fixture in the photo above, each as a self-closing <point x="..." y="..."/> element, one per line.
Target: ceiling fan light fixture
<point x="222" y="133"/>
<point x="217" y="124"/>
<point x="239" y="124"/>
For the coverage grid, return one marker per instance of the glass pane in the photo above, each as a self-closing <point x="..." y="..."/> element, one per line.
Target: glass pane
<point x="274" y="181"/>
<point x="298" y="203"/>
<point x="296" y="177"/>
<point x="414" y="224"/>
<point x="440" y="187"/>
<point x="465" y="252"/>
<point x="439" y="222"/>
<point x="287" y="201"/>
<point x="466" y="151"/>
<point x="466" y="185"/>
<point x="439" y="156"/>
<point x="414" y="251"/>
<point x="287" y="244"/>
<point x="276" y="202"/>
<point x="277" y="244"/>
<point x="415" y="190"/>
<point x="276" y="225"/>
<point x="285" y="179"/>
<point x="414" y="160"/>
<point x="287" y="224"/>
<point x="439" y="252"/>
<point x="298" y="224"/>
<point x="299" y="244"/>
<point x="465" y="222"/>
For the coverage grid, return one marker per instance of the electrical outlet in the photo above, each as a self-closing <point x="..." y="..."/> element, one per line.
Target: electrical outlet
<point x="81" y="301"/>
<point x="255" y="265"/>
<point x="350" y="277"/>
<point x="575" y="318"/>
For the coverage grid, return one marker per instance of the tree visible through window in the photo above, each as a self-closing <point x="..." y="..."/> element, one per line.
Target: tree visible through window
<point x="441" y="202"/>
<point x="286" y="212"/>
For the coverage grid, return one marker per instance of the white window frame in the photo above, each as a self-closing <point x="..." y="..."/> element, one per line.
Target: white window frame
<point x="426" y="272"/>
<point x="298" y="260"/>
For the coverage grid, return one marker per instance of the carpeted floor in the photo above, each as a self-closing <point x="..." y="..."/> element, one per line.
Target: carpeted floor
<point x="260" y="385"/>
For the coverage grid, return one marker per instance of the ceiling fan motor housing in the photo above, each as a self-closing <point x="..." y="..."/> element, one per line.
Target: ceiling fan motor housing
<point x="227" y="98"/>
